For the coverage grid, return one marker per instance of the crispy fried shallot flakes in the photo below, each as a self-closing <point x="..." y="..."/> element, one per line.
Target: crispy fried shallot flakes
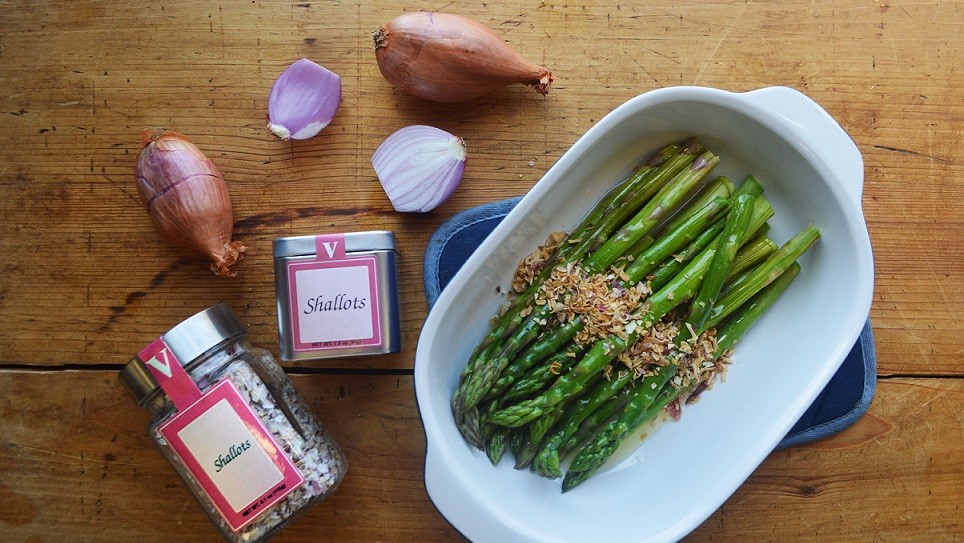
<point x="532" y="265"/>
<point x="603" y="301"/>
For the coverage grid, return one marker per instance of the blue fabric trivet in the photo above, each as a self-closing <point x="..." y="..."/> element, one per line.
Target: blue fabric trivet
<point x="844" y="400"/>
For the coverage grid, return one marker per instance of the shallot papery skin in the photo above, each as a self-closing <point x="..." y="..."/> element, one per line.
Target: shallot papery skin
<point x="303" y="100"/>
<point x="186" y="198"/>
<point x="450" y="58"/>
<point x="419" y="167"/>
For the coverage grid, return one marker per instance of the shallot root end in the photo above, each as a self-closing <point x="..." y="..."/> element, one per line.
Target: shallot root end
<point x="150" y="134"/>
<point x="379" y="37"/>
<point x="228" y="258"/>
<point x="542" y="87"/>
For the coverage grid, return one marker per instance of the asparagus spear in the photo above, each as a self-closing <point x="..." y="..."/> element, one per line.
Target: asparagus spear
<point x="537" y="378"/>
<point x="640" y="180"/>
<point x="470" y="426"/>
<point x="516" y="440"/>
<point x="641" y="408"/>
<point x="496" y="445"/>
<point x="675" y="239"/>
<point x="644" y="243"/>
<point x="764" y="274"/>
<point x="762" y="211"/>
<point x="598" y="419"/>
<point x="656" y="209"/>
<point x="672" y="266"/>
<point x="720" y="187"/>
<point x="736" y="326"/>
<point x="751" y="254"/>
<point x="537" y="432"/>
<point x="546" y="462"/>
<point x="734" y="235"/>
<point x="618" y="212"/>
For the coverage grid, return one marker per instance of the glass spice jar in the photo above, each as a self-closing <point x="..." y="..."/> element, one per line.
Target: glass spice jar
<point x="227" y="418"/>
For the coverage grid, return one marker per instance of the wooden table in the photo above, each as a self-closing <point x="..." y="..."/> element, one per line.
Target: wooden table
<point x="85" y="282"/>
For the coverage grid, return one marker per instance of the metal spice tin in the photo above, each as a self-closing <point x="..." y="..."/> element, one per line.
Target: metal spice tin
<point x="337" y="295"/>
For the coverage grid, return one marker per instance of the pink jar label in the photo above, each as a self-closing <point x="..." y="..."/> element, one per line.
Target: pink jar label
<point x="231" y="454"/>
<point x="333" y="299"/>
<point x="169" y="374"/>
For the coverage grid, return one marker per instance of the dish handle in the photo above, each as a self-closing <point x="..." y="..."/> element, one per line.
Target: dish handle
<point x="820" y="131"/>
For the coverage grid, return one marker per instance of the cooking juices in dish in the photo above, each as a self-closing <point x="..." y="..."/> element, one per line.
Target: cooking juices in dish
<point x="229" y="421"/>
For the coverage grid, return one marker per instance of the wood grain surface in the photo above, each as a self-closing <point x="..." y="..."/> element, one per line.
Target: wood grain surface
<point x="85" y="282"/>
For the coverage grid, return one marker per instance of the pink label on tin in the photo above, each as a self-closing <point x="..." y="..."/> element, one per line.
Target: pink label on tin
<point x="333" y="299"/>
<point x="231" y="454"/>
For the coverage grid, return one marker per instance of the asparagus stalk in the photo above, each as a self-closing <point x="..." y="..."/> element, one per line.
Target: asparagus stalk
<point x="537" y="432"/>
<point x="618" y="212"/>
<point x="764" y="274"/>
<point x="734" y="235"/>
<point x="644" y="243"/>
<point x="640" y="179"/>
<point x="736" y="326"/>
<point x="469" y="422"/>
<point x="752" y="253"/>
<point x="598" y="419"/>
<point x="497" y="443"/>
<point x="546" y="462"/>
<point x="640" y="409"/>
<point x="762" y="211"/>
<point x="537" y="378"/>
<point x="721" y="187"/>
<point x="672" y="266"/>
<point x="516" y="440"/>
<point x="676" y="239"/>
<point x="656" y="209"/>
<point x="484" y="378"/>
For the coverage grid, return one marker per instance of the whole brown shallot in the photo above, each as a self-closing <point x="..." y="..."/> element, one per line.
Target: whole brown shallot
<point x="450" y="58"/>
<point x="186" y="198"/>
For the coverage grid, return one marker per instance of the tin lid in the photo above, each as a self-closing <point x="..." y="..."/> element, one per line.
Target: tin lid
<point x="376" y="240"/>
<point x="188" y="340"/>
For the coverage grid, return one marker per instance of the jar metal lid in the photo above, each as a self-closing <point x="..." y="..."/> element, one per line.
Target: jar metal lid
<point x="377" y="240"/>
<point x="188" y="340"/>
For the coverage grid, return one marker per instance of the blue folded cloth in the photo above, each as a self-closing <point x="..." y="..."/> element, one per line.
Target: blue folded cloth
<point x="841" y="403"/>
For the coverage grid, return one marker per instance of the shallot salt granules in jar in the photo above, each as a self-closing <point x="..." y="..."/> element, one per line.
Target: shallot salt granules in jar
<point x="227" y="418"/>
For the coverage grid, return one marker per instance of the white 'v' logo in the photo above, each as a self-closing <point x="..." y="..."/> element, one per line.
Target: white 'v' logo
<point x="156" y="363"/>
<point x="330" y="247"/>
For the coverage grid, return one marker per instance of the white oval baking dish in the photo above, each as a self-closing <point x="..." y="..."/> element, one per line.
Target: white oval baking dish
<point x="680" y="474"/>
